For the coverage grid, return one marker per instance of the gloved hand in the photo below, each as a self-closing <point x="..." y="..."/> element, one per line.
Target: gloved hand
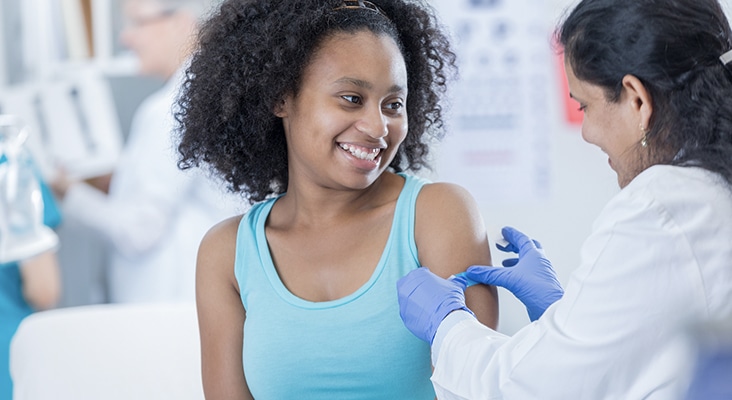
<point x="530" y="277"/>
<point x="425" y="299"/>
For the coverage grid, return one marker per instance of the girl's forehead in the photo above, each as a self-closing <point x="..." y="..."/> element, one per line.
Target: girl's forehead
<point x="338" y="39"/>
<point x="362" y="59"/>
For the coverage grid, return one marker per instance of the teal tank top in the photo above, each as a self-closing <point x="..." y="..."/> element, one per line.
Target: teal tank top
<point x="355" y="347"/>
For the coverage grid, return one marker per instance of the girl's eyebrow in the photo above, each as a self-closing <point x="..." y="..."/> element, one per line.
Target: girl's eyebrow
<point x="357" y="82"/>
<point x="366" y="85"/>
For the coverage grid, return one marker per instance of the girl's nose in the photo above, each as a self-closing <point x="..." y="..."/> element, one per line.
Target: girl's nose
<point x="374" y="124"/>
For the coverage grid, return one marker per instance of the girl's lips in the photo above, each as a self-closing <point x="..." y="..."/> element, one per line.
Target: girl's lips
<point x="366" y="158"/>
<point x="361" y="152"/>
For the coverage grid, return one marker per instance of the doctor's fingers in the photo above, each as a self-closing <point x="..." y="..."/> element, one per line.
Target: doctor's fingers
<point x="490" y="275"/>
<point x="518" y="240"/>
<point x="510" y="262"/>
<point x="410" y="282"/>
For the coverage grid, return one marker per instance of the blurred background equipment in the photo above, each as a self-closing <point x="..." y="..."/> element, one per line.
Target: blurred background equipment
<point x="22" y="232"/>
<point x="713" y="370"/>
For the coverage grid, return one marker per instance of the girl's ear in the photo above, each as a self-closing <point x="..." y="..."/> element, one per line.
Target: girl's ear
<point x="280" y="109"/>
<point x="638" y="99"/>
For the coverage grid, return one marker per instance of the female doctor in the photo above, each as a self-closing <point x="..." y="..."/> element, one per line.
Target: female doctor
<point x="654" y="80"/>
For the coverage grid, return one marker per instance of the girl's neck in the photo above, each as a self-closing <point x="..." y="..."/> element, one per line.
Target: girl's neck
<point x="317" y="205"/>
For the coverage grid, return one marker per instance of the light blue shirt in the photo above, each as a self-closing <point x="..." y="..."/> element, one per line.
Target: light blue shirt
<point x="355" y="347"/>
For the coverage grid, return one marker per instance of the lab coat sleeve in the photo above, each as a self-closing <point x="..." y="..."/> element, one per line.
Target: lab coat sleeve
<point x="147" y="187"/>
<point x="132" y="228"/>
<point x="607" y="338"/>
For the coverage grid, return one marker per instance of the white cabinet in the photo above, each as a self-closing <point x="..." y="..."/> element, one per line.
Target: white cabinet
<point x="52" y="37"/>
<point x="56" y="58"/>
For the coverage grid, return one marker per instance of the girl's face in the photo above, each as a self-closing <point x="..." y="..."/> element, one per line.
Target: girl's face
<point x="614" y="127"/>
<point x="345" y="125"/>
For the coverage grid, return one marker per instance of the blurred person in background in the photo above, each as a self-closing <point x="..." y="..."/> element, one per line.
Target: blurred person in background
<point x="30" y="284"/>
<point x="152" y="214"/>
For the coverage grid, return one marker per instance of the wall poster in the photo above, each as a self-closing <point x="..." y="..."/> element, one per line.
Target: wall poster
<point x="499" y="119"/>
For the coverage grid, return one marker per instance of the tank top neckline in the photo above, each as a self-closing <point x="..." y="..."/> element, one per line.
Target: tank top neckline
<point x="285" y="294"/>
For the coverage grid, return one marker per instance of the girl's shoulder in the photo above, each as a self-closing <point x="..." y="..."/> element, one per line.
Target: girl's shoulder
<point x="445" y="197"/>
<point x="447" y="213"/>
<point x="219" y="243"/>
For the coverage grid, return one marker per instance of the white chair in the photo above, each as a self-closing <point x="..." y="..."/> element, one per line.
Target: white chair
<point x="108" y="352"/>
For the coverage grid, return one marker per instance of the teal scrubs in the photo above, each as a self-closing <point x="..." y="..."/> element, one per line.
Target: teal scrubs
<point x="13" y="307"/>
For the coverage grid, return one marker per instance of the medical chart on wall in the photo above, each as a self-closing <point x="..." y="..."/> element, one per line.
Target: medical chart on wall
<point x="499" y="119"/>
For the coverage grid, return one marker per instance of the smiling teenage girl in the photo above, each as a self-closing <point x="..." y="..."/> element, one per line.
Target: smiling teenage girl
<point x="314" y="109"/>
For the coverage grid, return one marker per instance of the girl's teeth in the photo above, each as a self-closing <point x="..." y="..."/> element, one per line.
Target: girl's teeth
<point x="359" y="153"/>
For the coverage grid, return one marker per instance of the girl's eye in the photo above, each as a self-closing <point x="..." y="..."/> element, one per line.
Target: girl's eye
<point x="397" y="105"/>
<point x="352" y="99"/>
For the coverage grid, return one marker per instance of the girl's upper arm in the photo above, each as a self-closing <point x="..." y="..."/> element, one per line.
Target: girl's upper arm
<point x="220" y="314"/>
<point x="451" y="236"/>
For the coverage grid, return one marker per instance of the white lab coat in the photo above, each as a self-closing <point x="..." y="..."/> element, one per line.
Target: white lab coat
<point x="658" y="263"/>
<point x="155" y="214"/>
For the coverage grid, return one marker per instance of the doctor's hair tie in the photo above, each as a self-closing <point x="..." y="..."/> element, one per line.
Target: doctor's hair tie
<point x="361" y="4"/>
<point x="726" y="58"/>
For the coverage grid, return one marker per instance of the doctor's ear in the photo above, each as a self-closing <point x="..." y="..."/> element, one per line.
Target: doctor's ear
<point x="638" y="98"/>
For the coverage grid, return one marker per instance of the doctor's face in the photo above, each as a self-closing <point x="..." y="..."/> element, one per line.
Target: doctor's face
<point x="609" y="125"/>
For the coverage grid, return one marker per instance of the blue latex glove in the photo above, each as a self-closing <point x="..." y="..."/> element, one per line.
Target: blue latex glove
<point x="425" y="299"/>
<point x="530" y="277"/>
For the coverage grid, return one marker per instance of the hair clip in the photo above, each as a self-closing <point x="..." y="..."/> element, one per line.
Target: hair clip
<point x="356" y="4"/>
<point x="726" y="58"/>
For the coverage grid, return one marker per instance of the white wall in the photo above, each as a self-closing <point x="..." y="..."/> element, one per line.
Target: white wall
<point x="581" y="184"/>
<point x="3" y="67"/>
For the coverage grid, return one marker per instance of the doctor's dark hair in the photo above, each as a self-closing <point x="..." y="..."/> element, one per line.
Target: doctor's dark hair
<point x="673" y="48"/>
<point x="252" y="53"/>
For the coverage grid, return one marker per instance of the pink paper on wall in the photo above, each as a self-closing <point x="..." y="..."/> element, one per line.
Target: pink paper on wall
<point x="572" y="114"/>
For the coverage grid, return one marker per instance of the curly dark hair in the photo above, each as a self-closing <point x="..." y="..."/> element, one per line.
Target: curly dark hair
<point x="674" y="48"/>
<point x="252" y="53"/>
